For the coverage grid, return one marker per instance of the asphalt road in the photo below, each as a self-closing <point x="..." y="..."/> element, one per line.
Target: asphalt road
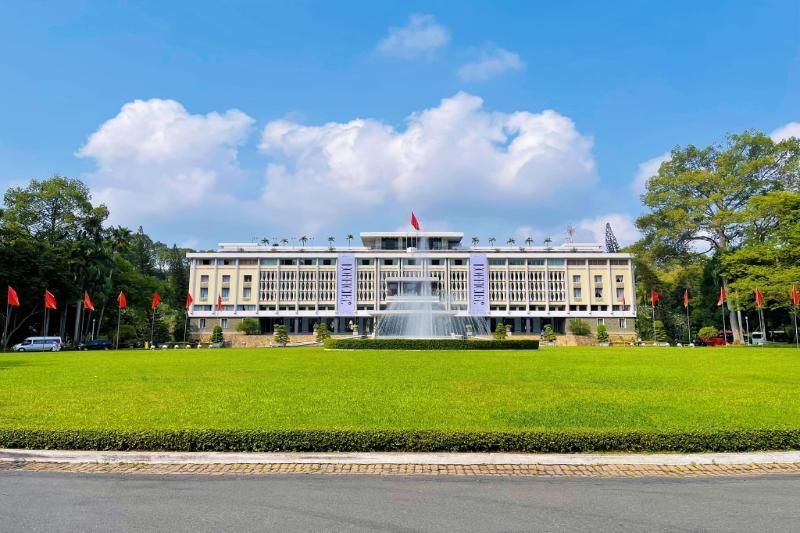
<point x="75" y="502"/>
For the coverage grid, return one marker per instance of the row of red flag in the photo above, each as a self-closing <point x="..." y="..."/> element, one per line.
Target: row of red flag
<point x="50" y="300"/>
<point x="759" y="297"/>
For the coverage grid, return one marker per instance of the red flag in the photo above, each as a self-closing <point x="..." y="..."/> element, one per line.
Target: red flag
<point x="122" y="301"/>
<point x="654" y="297"/>
<point x="49" y="300"/>
<point x="156" y="300"/>
<point x="13" y="299"/>
<point x="188" y="302"/>
<point x="722" y="296"/>
<point x="686" y="298"/>
<point x="623" y="298"/>
<point x="219" y="303"/>
<point x="795" y="297"/>
<point x="759" y="298"/>
<point x="414" y="221"/>
<point x="87" y="303"/>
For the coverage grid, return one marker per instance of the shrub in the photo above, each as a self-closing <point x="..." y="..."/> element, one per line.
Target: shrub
<point x="323" y="332"/>
<point x="249" y="326"/>
<point x="350" y="343"/>
<point x="579" y="327"/>
<point x="602" y="333"/>
<point x="708" y="332"/>
<point x="548" y="334"/>
<point x="216" y="335"/>
<point x="499" y="332"/>
<point x="660" y="332"/>
<point x="229" y="440"/>
<point x="281" y="335"/>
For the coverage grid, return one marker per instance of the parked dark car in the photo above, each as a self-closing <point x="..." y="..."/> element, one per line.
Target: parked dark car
<point x="97" y="344"/>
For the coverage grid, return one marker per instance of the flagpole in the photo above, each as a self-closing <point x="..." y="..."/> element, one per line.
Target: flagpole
<point x="152" y="328"/>
<point x="688" y="324"/>
<point x="119" y="318"/>
<point x="5" y="326"/>
<point x="796" y="337"/>
<point x="724" y="335"/>
<point x="185" y="326"/>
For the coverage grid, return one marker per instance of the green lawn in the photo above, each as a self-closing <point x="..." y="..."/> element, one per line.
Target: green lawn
<point x="575" y="389"/>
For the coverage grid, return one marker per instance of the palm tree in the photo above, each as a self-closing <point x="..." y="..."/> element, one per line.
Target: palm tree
<point x="265" y="241"/>
<point x="475" y="241"/>
<point x="492" y="240"/>
<point x="331" y="240"/>
<point x="548" y="241"/>
<point x="510" y="241"/>
<point x="303" y="240"/>
<point x="285" y="241"/>
<point x="349" y="238"/>
<point x="528" y="242"/>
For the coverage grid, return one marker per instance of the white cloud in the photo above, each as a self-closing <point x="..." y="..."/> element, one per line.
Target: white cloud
<point x="154" y="157"/>
<point x="492" y="61"/>
<point x="647" y="170"/>
<point x="792" y="129"/>
<point x="622" y="225"/>
<point x="454" y="155"/>
<point x="421" y="36"/>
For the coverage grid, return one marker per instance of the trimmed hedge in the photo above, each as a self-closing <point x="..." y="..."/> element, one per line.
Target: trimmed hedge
<point x="413" y="441"/>
<point x="356" y="343"/>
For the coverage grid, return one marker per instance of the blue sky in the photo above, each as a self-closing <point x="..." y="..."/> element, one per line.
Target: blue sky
<point x="208" y="123"/>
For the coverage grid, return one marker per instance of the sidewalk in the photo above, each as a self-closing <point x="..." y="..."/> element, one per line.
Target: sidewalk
<point x="491" y="464"/>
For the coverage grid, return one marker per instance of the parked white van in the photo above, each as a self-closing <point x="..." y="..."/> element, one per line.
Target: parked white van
<point x="38" y="344"/>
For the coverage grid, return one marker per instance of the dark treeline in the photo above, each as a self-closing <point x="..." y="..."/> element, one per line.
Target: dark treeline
<point x="53" y="238"/>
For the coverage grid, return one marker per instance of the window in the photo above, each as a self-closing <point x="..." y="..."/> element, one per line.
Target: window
<point x="204" y="278"/>
<point x="205" y="261"/>
<point x="601" y="321"/>
<point x="247" y="292"/>
<point x="288" y="262"/>
<point x="248" y="278"/>
<point x="269" y="262"/>
<point x="555" y="262"/>
<point x="202" y="323"/>
<point x="598" y="280"/>
<point x="410" y="262"/>
<point x="388" y="262"/>
<point x="226" y="293"/>
<point x="516" y="262"/>
<point x="226" y="262"/>
<point x="598" y="262"/>
<point x="497" y="262"/>
<point x="619" y="278"/>
<point x="576" y="262"/>
<point x="457" y="262"/>
<point x="365" y="262"/>
<point x="619" y="262"/>
<point x="620" y="293"/>
<point x="536" y="262"/>
<point x="226" y="278"/>
<point x="224" y="323"/>
<point x="328" y="262"/>
<point x="308" y="262"/>
<point x="203" y="293"/>
<point x="622" y="323"/>
<point x="436" y="262"/>
<point x="598" y="292"/>
<point x="576" y="279"/>
<point x="576" y="293"/>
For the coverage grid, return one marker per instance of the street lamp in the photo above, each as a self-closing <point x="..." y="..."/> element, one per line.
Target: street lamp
<point x="747" y="323"/>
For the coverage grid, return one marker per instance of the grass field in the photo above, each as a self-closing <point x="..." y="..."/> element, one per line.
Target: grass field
<point x="554" y="389"/>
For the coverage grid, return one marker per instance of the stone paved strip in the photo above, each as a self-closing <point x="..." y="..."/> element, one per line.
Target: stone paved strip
<point x="512" y="470"/>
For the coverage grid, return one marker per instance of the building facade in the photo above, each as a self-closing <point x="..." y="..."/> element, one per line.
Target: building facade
<point x="525" y="287"/>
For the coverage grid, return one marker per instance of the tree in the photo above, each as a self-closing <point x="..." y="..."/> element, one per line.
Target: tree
<point x="303" y="240"/>
<point x="281" y="336"/>
<point x="602" y="333"/>
<point x="331" y="241"/>
<point x="216" y="335"/>
<point x="248" y="326"/>
<point x="499" y="332"/>
<point x="511" y="241"/>
<point x="475" y="241"/>
<point x="323" y="332"/>
<point x="660" y="332"/>
<point x="349" y="239"/>
<point x="699" y="197"/>
<point x="612" y="246"/>
<point x="580" y="327"/>
<point x="707" y="332"/>
<point x="548" y="334"/>
<point x="492" y="240"/>
<point x="528" y="242"/>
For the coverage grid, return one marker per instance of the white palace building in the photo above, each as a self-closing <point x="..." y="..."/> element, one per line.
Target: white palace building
<point x="524" y="287"/>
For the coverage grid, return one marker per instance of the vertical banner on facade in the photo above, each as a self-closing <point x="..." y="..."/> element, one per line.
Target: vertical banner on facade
<point x="478" y="285"/>
<point x="346" y="285"/>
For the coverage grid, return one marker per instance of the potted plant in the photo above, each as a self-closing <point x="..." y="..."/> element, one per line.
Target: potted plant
<point x="548" y="335"/>
<point x="602" y="335"/>
<point x="281" y="336"/>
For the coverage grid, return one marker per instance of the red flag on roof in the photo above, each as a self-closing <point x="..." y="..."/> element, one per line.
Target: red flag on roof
<point x="759" y="298"/>
<point x="686" y="298"/>
<point x="13" y="299"/>
<point x="49" y="300"/>
<point x="414" y="221"/>
<point x="219" y="303"/>
<point x="795" y="297"/>
<point x="156" y="301"/>
<point x="87" y="303"/>
<point x="722" y="296"/>
<point x="122" y="301"/>
<point x="188" y="302"/>
<point x="654" y="297"/>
